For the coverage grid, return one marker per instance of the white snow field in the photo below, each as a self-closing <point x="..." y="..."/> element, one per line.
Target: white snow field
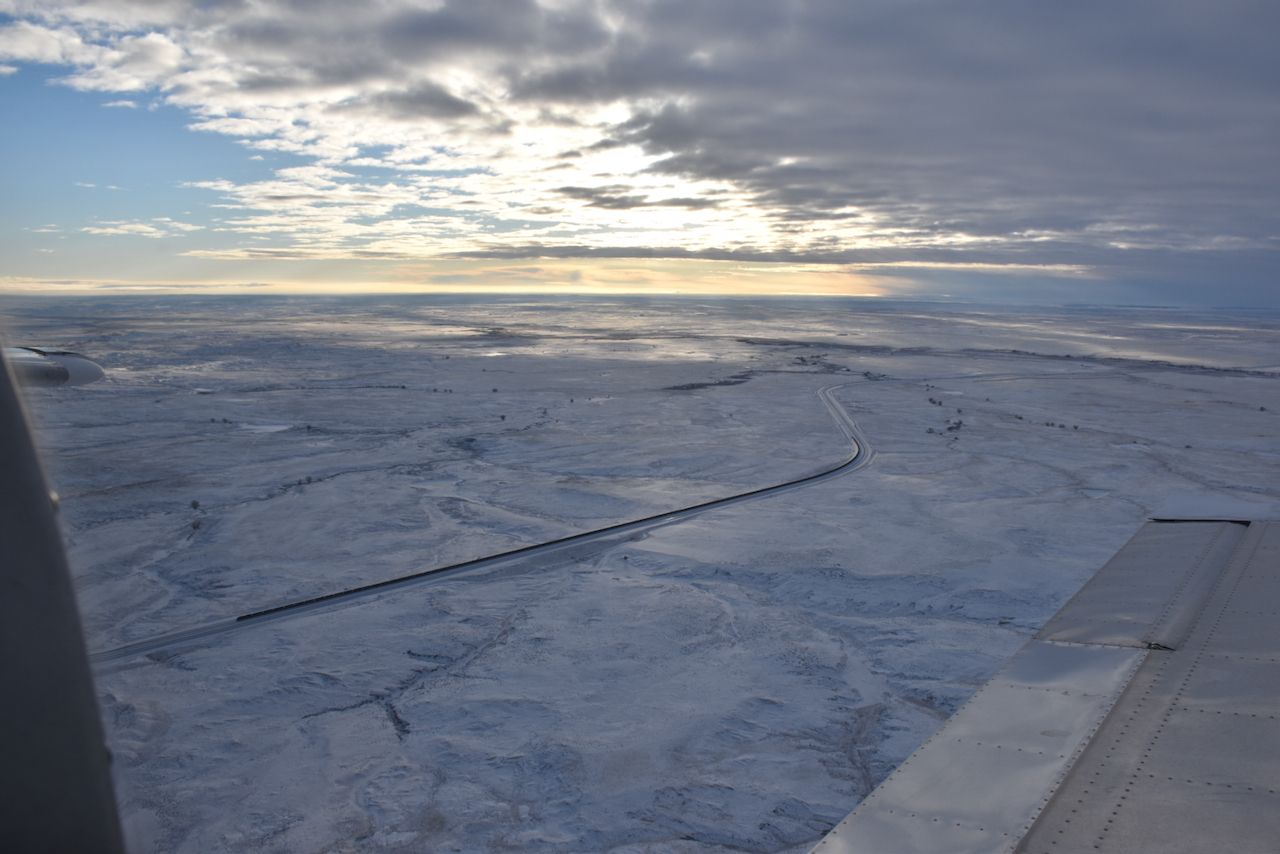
<point x="736" y="681"/>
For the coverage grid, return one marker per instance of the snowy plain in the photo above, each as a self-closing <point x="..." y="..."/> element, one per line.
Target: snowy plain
<point x="737" y="681"/>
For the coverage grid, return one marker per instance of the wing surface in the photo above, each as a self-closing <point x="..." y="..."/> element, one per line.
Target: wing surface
<point x="1145" y="716"/>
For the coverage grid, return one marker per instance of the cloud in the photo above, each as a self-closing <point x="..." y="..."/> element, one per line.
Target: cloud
<point x="1133" y="139"/>
<point x="424" y="100"/>
<point x="158" y="228"/>
<point x="24" y="41"/>
<point x="123" y="104"/>
<point x="618" y="197"/>
<point x="131" y="64"/>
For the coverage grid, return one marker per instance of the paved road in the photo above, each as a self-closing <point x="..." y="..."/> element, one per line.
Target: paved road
<point x="860" y="456"/>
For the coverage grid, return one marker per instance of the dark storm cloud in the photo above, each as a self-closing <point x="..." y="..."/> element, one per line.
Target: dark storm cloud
<point x="988" y="118"/>
<point x="617" y="197"/>
<point x="424" y="100"/>
<point x="395" y="36"/>
<point x="515" y="27"/>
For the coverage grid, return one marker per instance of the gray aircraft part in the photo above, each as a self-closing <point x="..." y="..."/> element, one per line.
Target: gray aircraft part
<point x="1144" y="717"/>
<point x="36" y="367"/>
<point x="55" y="785"/>
<point x="1189" y="758"/>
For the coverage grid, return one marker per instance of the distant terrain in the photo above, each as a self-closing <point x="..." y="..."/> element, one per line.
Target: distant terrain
<point x="737" y="681"/>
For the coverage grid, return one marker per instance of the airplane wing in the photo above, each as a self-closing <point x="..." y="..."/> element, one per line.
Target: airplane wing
<point x="35" y="367"/>
<point x="1145" y="716"/>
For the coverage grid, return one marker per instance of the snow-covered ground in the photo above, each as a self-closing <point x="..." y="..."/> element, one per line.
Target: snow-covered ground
<point x="737" y="681"/>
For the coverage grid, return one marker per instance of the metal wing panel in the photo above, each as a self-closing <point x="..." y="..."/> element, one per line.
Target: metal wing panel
<point x="1149" y="592"/>
<point x="1189" y="760"/>
<point x="1107" y="746"/>
<point x="978" y="784"/>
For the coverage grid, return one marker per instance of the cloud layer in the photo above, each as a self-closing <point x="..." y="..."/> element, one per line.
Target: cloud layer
<point x="1134" y="140"/>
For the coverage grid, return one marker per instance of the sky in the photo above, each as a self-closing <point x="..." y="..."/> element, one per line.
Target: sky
<point x="1007" y="150"/>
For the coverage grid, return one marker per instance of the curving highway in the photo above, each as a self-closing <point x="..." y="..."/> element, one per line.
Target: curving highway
<point x="859" y="457"/>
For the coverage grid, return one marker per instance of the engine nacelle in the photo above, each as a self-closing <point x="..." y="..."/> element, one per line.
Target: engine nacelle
<point x="35" y="367"/>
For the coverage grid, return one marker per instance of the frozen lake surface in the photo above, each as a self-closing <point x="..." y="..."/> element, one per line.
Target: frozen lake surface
<point x="734" y="682"/>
